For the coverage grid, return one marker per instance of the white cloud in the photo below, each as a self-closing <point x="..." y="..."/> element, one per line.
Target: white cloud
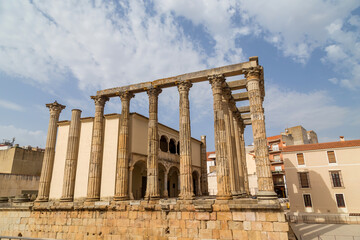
<point x="313" y="110"/>
<point x="11" y="105"/>
<point x="23" y="137"/>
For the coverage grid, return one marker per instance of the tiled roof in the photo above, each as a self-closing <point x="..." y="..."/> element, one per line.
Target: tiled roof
<point x="274" y="137"/>
<point x="327" y="145"/>
<point x="207" y="156"/>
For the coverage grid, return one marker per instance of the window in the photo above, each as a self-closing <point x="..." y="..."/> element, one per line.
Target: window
<point x="163" y="144"/>
<point x="172" y="146"/>
<point x="278" y="168"/>
<point x="300" y="158"/>
<point x="277" y="158"/>
<point x="307" y="200"/>
<point x="275" y="147"/>
<point x="340" y="200"/>
<point x="331" y="156"/>
<point x="304" y="179"/>
<point x="336" y="179"/>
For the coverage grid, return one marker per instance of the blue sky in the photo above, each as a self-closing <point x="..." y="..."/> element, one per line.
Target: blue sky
<point x="67" y="50"/>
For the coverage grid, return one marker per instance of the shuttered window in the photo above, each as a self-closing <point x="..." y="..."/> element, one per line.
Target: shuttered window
<point x="340" y="200"/>
<point x="300" y="158"/>
<point x="304" y="179"/>
<point x="336" y="179"/>
<point x="331" y="156"/>
<point x="307" y="200"/>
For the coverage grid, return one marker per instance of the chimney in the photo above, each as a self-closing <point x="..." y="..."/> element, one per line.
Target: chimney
<point x="342" y="139"/>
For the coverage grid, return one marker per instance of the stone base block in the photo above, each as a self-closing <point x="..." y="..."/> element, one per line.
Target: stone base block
<point x="170" y="219"/>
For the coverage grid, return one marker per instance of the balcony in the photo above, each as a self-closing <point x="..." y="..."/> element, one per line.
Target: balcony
<point x="278" y="172"/>
<point x="279" y="184"/>
<point x="276" y="162"/>
<point x="169" y="156"/>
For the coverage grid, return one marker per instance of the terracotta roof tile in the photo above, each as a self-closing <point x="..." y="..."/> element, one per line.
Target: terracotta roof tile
<point x="207" y="155"/>
<point x="327" y="145"/>
<point x="274" y="137"/>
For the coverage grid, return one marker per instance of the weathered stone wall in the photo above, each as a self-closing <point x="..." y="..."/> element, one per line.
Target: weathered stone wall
<point x="167" y="219"/>
<point x="13" y="184"/>
<point x="22" y="161"/>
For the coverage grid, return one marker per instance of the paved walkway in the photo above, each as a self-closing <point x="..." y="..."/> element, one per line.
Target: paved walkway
<point x="304" y="231"/>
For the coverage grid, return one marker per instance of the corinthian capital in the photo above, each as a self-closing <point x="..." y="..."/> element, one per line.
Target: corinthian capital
<point x="253" y="72"/>
<point x="154" y="92"/>
<point x="216" y="80"/>
<point x="55" y="107"/>
<point x="125" y="96"/>
<point x="100" y="100"/>
<point x="184" y="86"/>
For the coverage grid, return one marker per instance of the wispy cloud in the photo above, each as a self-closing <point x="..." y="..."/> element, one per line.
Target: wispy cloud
<point x="11" y="105"/>
<point x="23" y="137"/>
<point x="315" y="110"/>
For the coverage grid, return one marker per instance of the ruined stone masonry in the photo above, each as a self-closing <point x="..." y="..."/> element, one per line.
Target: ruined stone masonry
<point x="126" y="176"/>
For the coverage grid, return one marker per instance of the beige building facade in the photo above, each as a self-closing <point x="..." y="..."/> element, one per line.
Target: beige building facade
<point x="323" y="178"/>
<point x="168" y="159"/>
<point x="20" y="169"/>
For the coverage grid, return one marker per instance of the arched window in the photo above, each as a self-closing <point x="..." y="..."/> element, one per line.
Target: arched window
<point x="163" y="144"/>
<point x="178" y="148"/>
<point x="172" y="146"/>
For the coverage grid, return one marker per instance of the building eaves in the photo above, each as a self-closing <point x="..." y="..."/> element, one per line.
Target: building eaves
<point x="327" y="145"/>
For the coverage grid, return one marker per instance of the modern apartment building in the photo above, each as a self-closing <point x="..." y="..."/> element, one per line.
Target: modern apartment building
<point x="323" y="177"/>
<point x="292" y="136"/>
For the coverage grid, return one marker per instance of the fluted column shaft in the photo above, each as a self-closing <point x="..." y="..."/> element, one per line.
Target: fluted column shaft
<point x="237" y="135"/>
<point x="229" y="149"/>
<point x="204" y="179"/>
<point x="235" y="159"/>
<point x="131" y="169"/>
<point x="244" y="162"/>
<point x="96" y="154"/>
<point x="48" y="162"/>
<point x="71" y="156"/>
<point x="186" y="181"/>
<point x="152" y="185"/>
<point x="122" y="166"/>
<point x="265" y="181"/>
<point x="222" y="164"/>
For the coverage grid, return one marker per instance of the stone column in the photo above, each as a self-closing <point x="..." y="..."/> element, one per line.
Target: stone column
<point x="229" y="146"/>
<point x="48" y="162"/>
<point x="186" y="181"/>
<point x="265" y="181"/>
<point x="233" y="149"/>
<point x="204" y="179"/>
<point x="131" y="169"/>
<point x="122" y="165"/>
<point x="166" y="194"/>
<point x="96" y="154"/>
<point x="237" y="128"/>
<point x="152" y="185"/>
<point x="222" y="164"/>
<point x="244" y="162"/>
<point x="71" y="157"/>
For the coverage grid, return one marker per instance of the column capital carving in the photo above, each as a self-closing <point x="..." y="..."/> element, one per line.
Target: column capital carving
<point x="154" y="92"/>
<point x="253" y="72"/>
<point x="227" y="93"/>
<point x="216" y="80"/>
<point x="131" y="168"/>
<point x="184" y="86"/>
<point x="100" y="100"/>
<point x="55" y="107"/>
<point x="125" y="95"/>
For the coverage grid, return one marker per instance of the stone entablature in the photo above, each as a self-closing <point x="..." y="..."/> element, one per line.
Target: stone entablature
<point x="162" y="219"/>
